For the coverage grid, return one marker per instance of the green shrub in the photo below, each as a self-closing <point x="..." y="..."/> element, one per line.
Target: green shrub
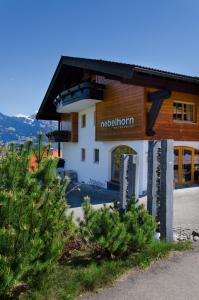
<point x="113" y="232"/>
<point x="139" y="224"/>
<point x="32" y="218"/>
<point x="103" y="231"/>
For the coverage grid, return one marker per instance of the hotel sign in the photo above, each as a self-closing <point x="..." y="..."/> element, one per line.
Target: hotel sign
<point x="118" y="122"/>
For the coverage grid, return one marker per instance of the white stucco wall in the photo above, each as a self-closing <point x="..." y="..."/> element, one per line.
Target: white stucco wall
<point x="87" y="170"/>
<point x="100" y="173"/>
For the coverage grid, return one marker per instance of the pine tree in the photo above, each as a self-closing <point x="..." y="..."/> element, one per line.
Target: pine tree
<point x="139" y="224"/>
<point x="32" y="216"/>
<point x="114" y="232"/>
<point x="102" y="230"/>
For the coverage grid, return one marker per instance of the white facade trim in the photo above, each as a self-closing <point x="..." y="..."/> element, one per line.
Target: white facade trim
<point x="99" y="173"/>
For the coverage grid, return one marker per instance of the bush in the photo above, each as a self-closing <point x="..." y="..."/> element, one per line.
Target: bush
<point x="113" y="232"/>
<point x="139" y="224"/>
<point x="32" y="218"/>
<point x="103" y="231"/>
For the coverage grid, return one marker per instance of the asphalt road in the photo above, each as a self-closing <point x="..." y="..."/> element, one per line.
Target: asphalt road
<point x="175" y="278"/>
<point x="186" y="208"/>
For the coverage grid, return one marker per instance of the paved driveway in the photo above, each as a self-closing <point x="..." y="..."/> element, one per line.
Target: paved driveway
<point x="175" y="278"/>
<point x="186" y="206"/>
<point x="98" y="195"/>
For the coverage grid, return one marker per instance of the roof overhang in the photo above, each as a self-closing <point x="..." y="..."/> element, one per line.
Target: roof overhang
<point x="71" y="69"/>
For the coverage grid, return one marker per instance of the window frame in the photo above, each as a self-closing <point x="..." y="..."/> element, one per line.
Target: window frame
<point x="184" y="112"/>
<point x="94" y="156"/>
<point x="94" y="118"/>
<point x="83" y="120"/>
<point x="83" y="154"/>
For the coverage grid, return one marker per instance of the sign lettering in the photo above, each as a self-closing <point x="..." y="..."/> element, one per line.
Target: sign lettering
<point x="118" y="122"/>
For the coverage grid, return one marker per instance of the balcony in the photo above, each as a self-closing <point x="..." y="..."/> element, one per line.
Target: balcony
<point x="57" y="136"/>
<point x="79" y="97"/>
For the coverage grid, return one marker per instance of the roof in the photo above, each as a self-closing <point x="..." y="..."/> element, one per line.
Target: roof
<point x="70" y="71"/>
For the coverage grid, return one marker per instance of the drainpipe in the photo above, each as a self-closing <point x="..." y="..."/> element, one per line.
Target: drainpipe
<point x="59" y="144"/>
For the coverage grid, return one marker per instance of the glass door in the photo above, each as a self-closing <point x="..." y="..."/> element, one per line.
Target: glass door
<point x="186" y="165"/>
<point x="196" y="165"/>
<point x="176" y="165"/>
<point x="187" y="174"/>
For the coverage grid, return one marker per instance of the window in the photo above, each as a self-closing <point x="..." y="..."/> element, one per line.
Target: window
<point x="83" y="121"/>
<point x="186" y="165"/>
<point x="94" y="118"/>
<point x="96" y="155"/>
<point x="83" y="154"/>
<point x="183" y="112"/>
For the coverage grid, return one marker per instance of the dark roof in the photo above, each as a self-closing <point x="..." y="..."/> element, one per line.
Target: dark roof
<point x="70" y="70"/>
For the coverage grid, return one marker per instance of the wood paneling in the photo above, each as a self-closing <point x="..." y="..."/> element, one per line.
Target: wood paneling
<point x="72" y="118"/>
<point x="120" y="101"/>
<point x="165" y="127"/>
<point x="74" y="132"/>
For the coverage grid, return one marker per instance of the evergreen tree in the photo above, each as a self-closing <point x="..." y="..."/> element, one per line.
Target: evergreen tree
<point x="139" y="224"/>
<point x="114" y="232"/>
<point x="102" y="230"/>
<point x="32" y="216"/>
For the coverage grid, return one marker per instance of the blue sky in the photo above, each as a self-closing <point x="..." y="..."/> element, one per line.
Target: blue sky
<point x="34" y="34"/>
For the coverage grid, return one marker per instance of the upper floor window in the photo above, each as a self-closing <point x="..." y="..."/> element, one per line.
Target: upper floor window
<point x="96" y="155"/>
<point x="66" y="125"/>
<point x="83" y="121"/>
<point x="94" y="118"/>
<point x="183" y="112"/>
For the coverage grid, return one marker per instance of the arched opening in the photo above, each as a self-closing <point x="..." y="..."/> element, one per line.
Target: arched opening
<point x="116" y="163"/>
<point x="186" y="165"/>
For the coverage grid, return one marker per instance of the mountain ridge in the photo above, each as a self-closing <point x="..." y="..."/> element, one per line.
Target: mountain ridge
<point x="20" y="128"/>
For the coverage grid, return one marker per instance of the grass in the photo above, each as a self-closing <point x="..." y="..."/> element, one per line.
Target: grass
<point x="83" y="273"/>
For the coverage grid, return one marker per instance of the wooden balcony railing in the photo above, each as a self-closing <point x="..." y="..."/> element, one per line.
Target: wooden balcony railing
<point x="83" y="91"/>
<point x="58" y="136"/>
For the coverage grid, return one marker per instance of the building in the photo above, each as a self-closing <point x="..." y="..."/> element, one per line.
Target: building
<point x="106" y="108"/>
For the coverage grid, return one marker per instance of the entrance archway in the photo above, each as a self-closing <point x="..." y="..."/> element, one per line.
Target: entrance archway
<point x="115" y="161"/>
<point x="186" y="165"/>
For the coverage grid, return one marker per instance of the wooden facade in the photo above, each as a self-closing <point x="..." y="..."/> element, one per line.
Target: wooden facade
<point x="166" y="127"/>
<point x="120" y="101"/>
<point x="124" y="100"/>
<point x="72" y="125"/>
<point x="127" y="88"/>
<point x="135" y="104"/>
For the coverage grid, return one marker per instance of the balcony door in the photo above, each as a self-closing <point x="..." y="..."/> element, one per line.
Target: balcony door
<point x="186" y="165"/>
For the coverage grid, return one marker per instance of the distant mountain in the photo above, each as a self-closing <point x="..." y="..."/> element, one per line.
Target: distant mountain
<point x="20" y="128"/>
